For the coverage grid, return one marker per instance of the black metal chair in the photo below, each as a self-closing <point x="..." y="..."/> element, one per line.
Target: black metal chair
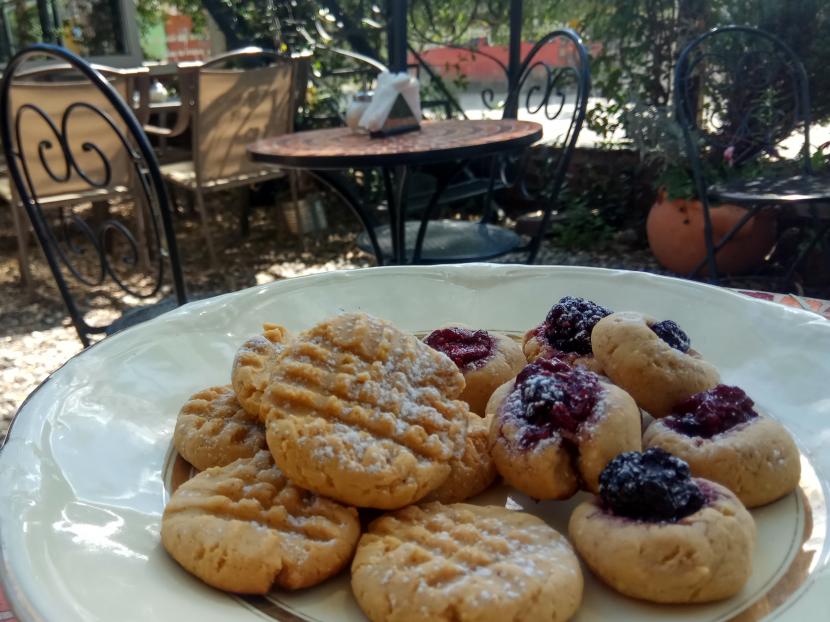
<point x="560" y="92"/>
<point x="90" y="141"/>
<point x="739" y="92"/>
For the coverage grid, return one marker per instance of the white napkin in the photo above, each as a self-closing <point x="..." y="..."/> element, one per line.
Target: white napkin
<point x="389" y="85"/>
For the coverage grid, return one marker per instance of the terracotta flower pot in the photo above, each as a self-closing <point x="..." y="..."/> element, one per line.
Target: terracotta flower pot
<point x="675" y="235"/>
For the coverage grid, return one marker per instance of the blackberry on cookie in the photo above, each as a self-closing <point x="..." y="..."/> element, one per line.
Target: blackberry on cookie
<point x="658" y="534"/>
<point x="652" y="360"/>
<point x="566" y="333"/>
<point x="555" y="427"/>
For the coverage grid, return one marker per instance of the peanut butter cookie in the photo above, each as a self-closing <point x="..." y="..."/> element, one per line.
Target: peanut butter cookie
<point x="437" y="562"/>
<point x="253" y="363"/>
<point x="244" y="528"/>
<point x="212" y="429"/>
<point x="359" y="411"/>
<point x="474" y="471"/>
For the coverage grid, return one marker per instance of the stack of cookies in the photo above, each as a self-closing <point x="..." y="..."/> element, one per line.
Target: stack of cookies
<point x="320" y="431"/>
<point x="355" y="414"/>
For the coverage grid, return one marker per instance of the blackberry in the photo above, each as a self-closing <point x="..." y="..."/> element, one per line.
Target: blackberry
<point x="673" y="335"/>
<point x="555" y="399"/>
<point x="467" y="348"/>
<point x="569" y="323"/>
<point x="542" y="366"/>
<point x="651" y="486"/>
<point x="711" y="412"/>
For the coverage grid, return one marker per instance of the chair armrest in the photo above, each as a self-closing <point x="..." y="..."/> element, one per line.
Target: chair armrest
<point x="188" y="79"/>
<point x="142" y="87"/>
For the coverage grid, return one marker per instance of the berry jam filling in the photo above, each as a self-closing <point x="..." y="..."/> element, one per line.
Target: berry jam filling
<point x="541" y="366"/>
<point x="673" y="335"/>
<point x="467" y="348"/>
<point x="651" y="486"/>
<point x="711" y="412"/>
<point x="569" y="324"/>
<point x="553" y="398"/>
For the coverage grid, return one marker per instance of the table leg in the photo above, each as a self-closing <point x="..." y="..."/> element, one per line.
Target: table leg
<point x="395" y="181"/>
<point x="336" y="182"/>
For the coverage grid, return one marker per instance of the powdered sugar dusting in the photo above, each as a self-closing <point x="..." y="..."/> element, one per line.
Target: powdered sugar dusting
<point x="472" y="557"/>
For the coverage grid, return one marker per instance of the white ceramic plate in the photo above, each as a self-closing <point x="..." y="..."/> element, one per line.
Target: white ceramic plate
<point x="82" y="474"/>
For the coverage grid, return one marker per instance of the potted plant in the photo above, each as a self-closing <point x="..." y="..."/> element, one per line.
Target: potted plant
<point x="675" y="224"/>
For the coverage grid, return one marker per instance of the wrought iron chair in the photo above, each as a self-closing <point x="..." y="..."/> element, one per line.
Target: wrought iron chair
<point x="230" y="107"/>
<point x="89" y="145"/>
<point x="739" y="92"/>
<point x="561" y="93"/>
<point x="53" y="87"/>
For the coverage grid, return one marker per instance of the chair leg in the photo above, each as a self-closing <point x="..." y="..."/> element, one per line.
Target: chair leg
<point x="818" y="237"/>
<point x="293" y="185"/>
<point x="245" y="213"/>
<point x="22" y="233"/>
<point x="203" y="216"/>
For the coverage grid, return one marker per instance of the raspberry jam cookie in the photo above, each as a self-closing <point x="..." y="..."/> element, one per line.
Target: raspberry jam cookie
<point x="556" y="427"/>
<point x="566" y="333"/>
<point x="487" y="360"/>
<point x="359" y="411"/>
<point x="446" y="563"/>
<point x="474" y="471"/>
<point x="657" y="534"/>
<point x="212" y="429"/>
<point x="724" y="439"/>
<point x="651" y="360"/>
<point x="245" y="528"/>
<point x="253" y="363"/>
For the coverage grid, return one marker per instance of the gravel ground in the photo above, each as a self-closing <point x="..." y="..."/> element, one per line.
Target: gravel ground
<point x="36" y="336"/>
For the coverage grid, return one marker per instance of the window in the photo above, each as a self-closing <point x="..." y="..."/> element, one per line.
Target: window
<point x="93" y="29"/>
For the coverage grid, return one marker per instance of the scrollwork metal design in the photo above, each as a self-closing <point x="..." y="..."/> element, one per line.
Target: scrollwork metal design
<point x="68" y="249"/>
<point x="77" y="166"/>
<point x="67" y="222"/>
<point x="43" y="145"/>
<point x="740" y="94"/>
<point x="559" y="92"/>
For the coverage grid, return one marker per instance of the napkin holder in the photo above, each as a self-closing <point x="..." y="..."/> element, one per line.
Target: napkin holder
<point x="395" y="107"/>
<point x="401" y="119"/>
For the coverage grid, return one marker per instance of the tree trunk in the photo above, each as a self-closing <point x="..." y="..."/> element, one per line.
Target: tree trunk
<point x="352" y="32"/>
<point x="236" y="34"/>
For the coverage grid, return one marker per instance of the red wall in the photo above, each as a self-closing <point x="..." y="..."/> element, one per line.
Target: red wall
<point x="182" y="44"/>
<point x="479" y="67"/>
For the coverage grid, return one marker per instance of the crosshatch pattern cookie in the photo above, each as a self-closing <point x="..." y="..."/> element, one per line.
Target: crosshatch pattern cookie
<point x="439" y="562"/>
<point x="364" y="413"/>
<point x="212" y="429"/>
<point x="474" y="471"/>
<point x="244" y="527"/>
<point x="253" y="363"/>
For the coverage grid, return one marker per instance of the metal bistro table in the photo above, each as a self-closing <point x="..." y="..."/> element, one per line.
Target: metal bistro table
<point x="326" y="153"/>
